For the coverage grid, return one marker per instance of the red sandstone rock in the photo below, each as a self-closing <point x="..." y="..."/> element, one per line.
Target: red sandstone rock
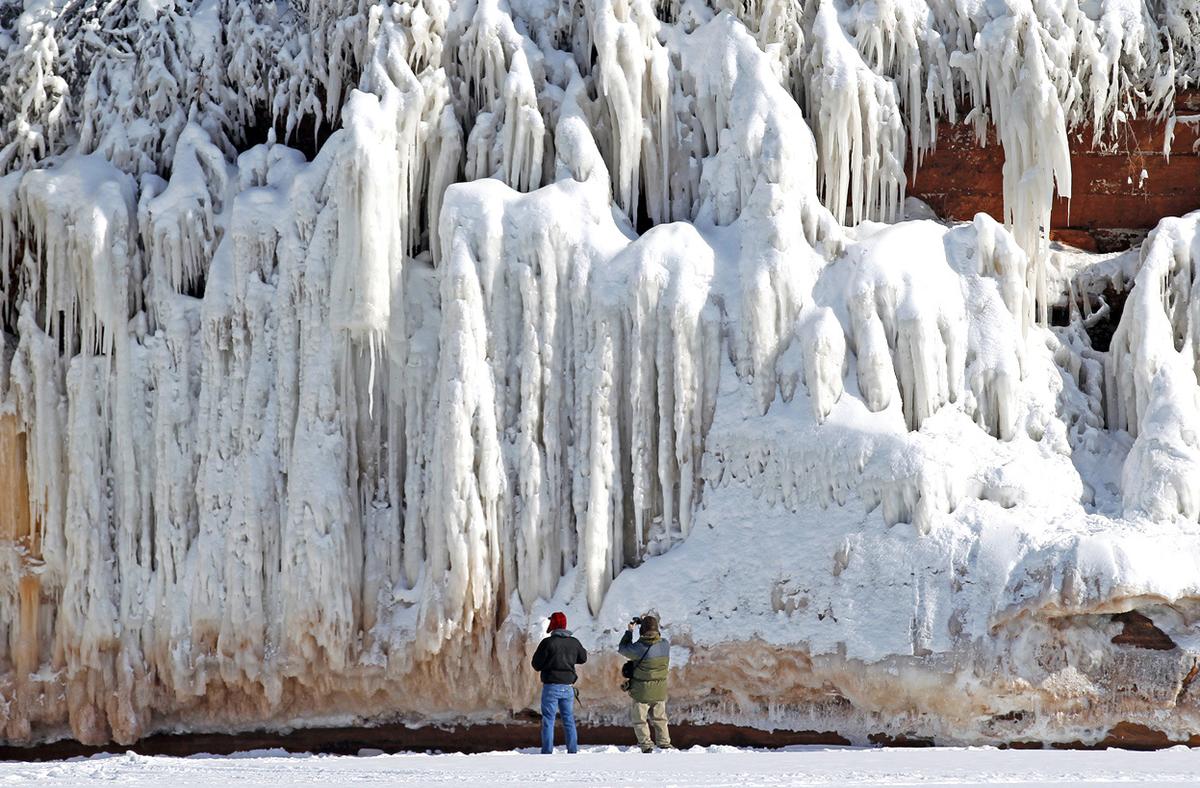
<point x="961" y="177"/>
<point x="1140" y="631"/>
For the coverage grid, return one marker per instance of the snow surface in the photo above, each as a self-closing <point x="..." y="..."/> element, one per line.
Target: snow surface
<point x="348" y="340"/>
<point x="698" y="766"/>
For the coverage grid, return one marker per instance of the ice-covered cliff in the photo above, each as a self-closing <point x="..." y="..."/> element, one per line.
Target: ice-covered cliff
<point x="342" y="341"/>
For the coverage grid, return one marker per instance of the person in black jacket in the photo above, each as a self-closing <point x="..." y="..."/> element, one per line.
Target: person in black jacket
<point x="556" y="658"/>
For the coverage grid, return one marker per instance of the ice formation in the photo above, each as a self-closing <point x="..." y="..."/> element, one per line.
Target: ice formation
<point x="342" y="341"/>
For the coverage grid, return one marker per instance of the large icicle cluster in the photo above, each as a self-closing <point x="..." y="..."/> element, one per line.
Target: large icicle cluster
<point x="342" y="340"/>
<point x="1153" y="380"/>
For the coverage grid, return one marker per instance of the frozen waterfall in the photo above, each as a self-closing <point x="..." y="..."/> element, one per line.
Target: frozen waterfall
<point x="344" y="340"/>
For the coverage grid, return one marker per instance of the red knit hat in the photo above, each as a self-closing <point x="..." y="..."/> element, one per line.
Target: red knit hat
<point x="557" y="621"/>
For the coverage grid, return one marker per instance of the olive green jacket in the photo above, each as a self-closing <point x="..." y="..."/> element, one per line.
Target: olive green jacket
<point x="649" y="682"/>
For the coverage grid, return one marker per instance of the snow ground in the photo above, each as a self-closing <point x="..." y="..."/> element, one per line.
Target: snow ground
<point x="607" y="765"/>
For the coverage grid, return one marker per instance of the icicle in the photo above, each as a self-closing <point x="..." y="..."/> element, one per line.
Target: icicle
<point x="1152" y="373"/>
<point x="522" y="129"/>
<point x="824" y="360"/>
<point x="859" y="132"/>
<point x="466" y="473"/>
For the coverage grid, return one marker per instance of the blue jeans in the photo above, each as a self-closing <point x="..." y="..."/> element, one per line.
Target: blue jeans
<point x="558" y="699"/>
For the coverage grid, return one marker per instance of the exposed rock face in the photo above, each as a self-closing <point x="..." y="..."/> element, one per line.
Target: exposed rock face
<point x="1139" y="631"/>
<point x="342" y="342"/>
<point x="1121" y="189"/>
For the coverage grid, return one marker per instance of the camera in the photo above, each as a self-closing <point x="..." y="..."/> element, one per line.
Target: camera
<point x="636" y="620"/>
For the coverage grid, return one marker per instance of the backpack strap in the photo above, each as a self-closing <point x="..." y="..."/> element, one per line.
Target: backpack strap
<point x="642" y="658"/>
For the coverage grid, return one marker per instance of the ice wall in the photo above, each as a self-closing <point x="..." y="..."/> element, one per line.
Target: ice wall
<point x="1152" y="379"/>
<point x="345" y="340"/>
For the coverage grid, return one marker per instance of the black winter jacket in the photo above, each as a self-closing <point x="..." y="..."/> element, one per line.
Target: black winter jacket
<point x="556" y="657"/>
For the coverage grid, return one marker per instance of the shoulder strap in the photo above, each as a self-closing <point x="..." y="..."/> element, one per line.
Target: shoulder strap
<point x="643" y="657"/>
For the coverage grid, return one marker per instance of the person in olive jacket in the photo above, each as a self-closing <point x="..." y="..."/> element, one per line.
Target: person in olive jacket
<point x="651" y="655"/>
<point x="556" y="657"/>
